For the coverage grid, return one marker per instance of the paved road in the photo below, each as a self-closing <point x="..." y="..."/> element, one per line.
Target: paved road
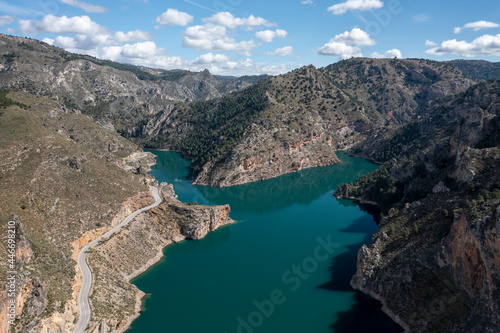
<point x="83" y="298"/>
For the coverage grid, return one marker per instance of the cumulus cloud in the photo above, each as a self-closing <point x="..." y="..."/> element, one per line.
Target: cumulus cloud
<point x="89" y="8"/>
<point x="61" y="24"/>
<point x="211" y="37"/>
<point x="307" y="2"/>
<point x="132" y="36"/>
<point x="340" y="49"/>
<point x="476" y="26"/>
<point x="174" y="17"/>
<point x="354" y="37"/>
<point x="88" y="43"/>
<point x="227" y="19"/>
<point x="141" y="50"/>
<point x="210" y="58"/>
<point x="361" y="5"/>
<point x="430" y="43"/>
<point x="6" y="19"/>
<point x="394" y="53"/>
<point x="484" y="45"/>
<point x="267" y="36"/>
<point x="282" y="51"/>
<point x="346" y="44"/>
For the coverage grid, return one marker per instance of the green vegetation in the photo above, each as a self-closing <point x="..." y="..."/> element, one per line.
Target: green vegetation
<point x="54" y="203"/>
<point x="5" y="101"/>
<point x="217" y="125"/>
<point x="409" y="135"/>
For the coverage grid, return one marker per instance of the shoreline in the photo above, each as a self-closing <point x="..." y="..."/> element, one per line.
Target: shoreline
<point x="140" y="295"/>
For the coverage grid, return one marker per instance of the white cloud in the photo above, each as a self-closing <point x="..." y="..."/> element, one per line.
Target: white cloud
<point x="346" y="45"/>
<point x="61" y="24"/>
<point x="476" y="26"/>
<point x="132" y="36"/>
<point x="141" y="50"/>
<point x="174" y="17"/>
<point x="210" y="58"/>
<point x="430" y="43"/>
<point x="133" y="53"/>
<point x="267" y="36"/>
<point x="283" y="51"/>
<point x="62" y="41"/>
<point x="213" y="38"/>
<point x="484" y="45"/>
<point x="340" y="49"/>
<point x="307" y="2"/>
<point x="361" y="5"/>
<point x="394" y="53"/>
<point x="227" y="19"/>
<point x="26" y="27"/>
<point x="354" y="37"/>
<point x="89" y="44"/>
<point x="6" y="19"/>
<point x="89" y="8"/>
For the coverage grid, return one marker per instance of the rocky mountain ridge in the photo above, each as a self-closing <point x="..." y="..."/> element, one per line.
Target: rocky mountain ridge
<point x="298" y="120"/>
<point x="435" y="261"/>
<point x="65" y="181"/>
<point x="116" y="94"/>
<point x="281" y="124"/>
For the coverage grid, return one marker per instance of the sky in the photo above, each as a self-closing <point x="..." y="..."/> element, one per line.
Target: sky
<point x="250" y="37"/>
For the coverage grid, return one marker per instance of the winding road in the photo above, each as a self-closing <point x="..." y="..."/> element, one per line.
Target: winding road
<point x="83" y="297"/>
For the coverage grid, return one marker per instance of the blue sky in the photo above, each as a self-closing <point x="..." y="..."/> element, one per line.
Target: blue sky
<point x="236" y="37"/>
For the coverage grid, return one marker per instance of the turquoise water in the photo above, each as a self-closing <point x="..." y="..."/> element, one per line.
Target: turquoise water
<point x="284" y="266"/>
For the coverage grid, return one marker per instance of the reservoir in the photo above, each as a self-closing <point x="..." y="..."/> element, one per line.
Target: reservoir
<point x="284" y="266"/>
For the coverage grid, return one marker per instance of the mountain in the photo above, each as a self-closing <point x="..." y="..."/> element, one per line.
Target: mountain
<point x="67" y="176"/>
<point x="435" y="262"/>
<point x="298" y="120"/>
<point x="65" y="180"/>
<point x="478" y="69"/>
<point x="236" y="133"/>
<point x="117" y="94"/>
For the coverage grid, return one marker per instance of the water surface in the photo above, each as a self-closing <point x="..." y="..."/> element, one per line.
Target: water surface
<point x="284" y="266"/>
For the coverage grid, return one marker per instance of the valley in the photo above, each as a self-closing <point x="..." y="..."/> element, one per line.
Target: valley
<point x="72" y="162"/>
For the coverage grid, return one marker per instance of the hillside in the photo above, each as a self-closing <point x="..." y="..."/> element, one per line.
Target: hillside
<point x="65" y="181"/>
<point x="298" y="120"/>
<point x="438" y="245"/>
<point x="117" y="94"/>
<point x="478" y="69"/>
<point x="236" y="133"/>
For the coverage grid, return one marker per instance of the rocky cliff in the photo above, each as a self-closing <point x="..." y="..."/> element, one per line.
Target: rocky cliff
<point x="434" y="263"/>
<point x="115" y="301"/>
<point x="65" y="181"/>
<point x="119" y="95"/>
<point x="298" y="120"/>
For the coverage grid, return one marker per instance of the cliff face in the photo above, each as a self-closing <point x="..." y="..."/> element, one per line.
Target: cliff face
<point x="434" y="263"/>
<point x="116" y="94"/>
<point x="62" y="176"/>
<point x="65" y="181"/>
<point x="115" y="301"/>
<point x="263" y="155"/>
<point x="298" y="120"/>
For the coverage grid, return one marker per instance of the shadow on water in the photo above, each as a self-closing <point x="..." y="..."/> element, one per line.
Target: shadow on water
<point x="366" y="314"/>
